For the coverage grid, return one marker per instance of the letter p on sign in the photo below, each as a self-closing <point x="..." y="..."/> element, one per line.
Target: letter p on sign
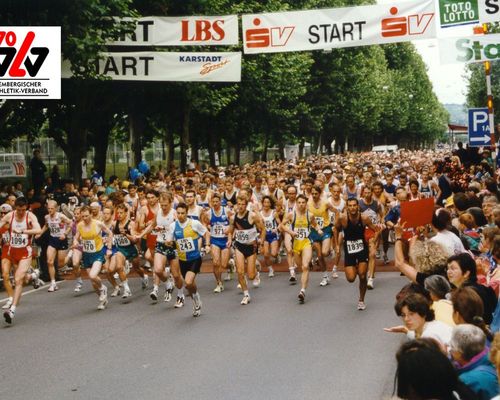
<point x="478" y="119"/>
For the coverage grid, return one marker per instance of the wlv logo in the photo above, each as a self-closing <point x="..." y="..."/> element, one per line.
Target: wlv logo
<point x="16" y="62"/>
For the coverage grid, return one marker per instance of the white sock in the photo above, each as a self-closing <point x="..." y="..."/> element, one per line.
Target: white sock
<point x="303" y="290"/>
<point x="245" y="293"/>
<point x="155" y="287"/>
<point x="79" y="280"/>
<point x="13" y="308"/>
<point x="325" y="274"/>
<point x="180" y="292"/>
<point x="125" y="285"/>
<point x="52" y="281"/>
<point x="168" y="285"/>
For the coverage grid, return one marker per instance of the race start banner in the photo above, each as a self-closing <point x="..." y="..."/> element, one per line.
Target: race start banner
<point x="30" y="62"/>
<point x="182" y="31"/>
<point x="338" y="27"/>
<point x="164" y="66"/>
<point x="465" y="50"/>
<point x="489" y="10"/>
<point x="458" y="12"/>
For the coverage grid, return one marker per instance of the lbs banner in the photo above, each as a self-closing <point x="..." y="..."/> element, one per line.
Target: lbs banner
<point x="163" y="66"/>
<point x="465" y="50"/>
<point x="30" y="62"/>
<point x="339" y="27"/>
<point x="182" y="31"/>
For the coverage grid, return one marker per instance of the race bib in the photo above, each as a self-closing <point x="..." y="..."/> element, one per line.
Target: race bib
<point x="217" y="230"/>
<point x="319" y="221"/>
<point x="55" y="230"/>
<point x="302" y="233"/>
<point x="19" y="240"/>
<point x="332" y="218"/>
<point x="354" y="246"/>
<point x="242" y="236"/>
<point x="186" y="245"/>
<point x="122" y="240"/>
<point x="269" y="225"/>
<point x="6" y="238"/>
<point x="89" y="246"/>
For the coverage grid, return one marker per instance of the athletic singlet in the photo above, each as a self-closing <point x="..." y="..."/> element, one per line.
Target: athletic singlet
<point x="320" y="214"/>
<point x="186" y="240"/>
<point x="218" y="223"/>
<point x="349" y="194"/>
<point x="195" y="215"/>
<point x="270" y="222"/>
<point x="56" y="225"/>
<point x="370" y="210"/>
<point x="121" y="239"/>
<point x="163" y="223"/>
<point x="338" y="209"/>
<point x="19" y="240"/>
<point x="354" y="241"/>
<point x="203" y="203"/>
<point x="301" y="225"/>
<point x="245" y="232"/>
<point x="91" y="239"/>
<point x="231" y="198"/>
<point x="426" y="191"/>
<point x="289" y="209"/>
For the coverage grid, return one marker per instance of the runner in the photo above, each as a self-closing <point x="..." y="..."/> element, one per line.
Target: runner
<point x="230" y="194"/>
<point x="23" y="225"/>
<point x="123" y="235"/>
<point x="146" y="215"/>
<point x="298" y="225"/>
<point x="77" y="252"/>
<point x="6" y="264"/>
<point x="89" y="232"/>
<point x="186" y="233"/>
<point x="165" y="256"/>
<point x="338" y="204"/>
<point x="355" y="247"/>
<point x="219" y="218"/>
<point x="319" y="209"/>
<point x="245" y="225"/>
<point x="59" y="227"/>
<point x="271" y="223"/>
<point x="289" y="207"/>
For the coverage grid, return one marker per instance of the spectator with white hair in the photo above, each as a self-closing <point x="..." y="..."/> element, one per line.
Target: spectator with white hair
<point x="468" y="349"/>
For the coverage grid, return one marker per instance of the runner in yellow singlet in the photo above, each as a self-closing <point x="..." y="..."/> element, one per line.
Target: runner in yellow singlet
<point x="298" y="224"/>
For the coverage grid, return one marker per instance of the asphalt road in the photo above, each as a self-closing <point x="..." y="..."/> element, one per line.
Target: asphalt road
<point x="61" y="347"/>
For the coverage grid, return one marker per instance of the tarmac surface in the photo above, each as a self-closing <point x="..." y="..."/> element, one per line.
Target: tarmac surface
<point x="61" y="347"/>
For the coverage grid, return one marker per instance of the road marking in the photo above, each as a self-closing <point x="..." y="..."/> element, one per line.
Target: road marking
<point x="32" y="291"/>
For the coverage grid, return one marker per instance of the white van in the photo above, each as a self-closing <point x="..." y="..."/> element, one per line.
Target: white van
<point x="385" y="149"/>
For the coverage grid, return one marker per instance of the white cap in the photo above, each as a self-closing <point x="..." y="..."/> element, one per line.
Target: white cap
<point x="95" y="204"/>
<point x="5" y="208"/>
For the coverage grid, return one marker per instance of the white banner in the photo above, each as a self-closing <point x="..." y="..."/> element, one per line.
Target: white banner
<point x="489" y="10"/>
<point x="12" y="166"/>
<point x="339" y="27"/>
<point x="465" y="50"/>
<point x="163" y="66"/>
<point x="30" y="62"/>
<point x="182" y="31"/>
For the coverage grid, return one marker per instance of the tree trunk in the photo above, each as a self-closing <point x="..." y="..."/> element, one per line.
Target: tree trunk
<point x="76" y="150"/>
<point x="265" y="145"/>
<point x="136" y="125"/>
<point x="237" y="150"/>
<point x="101" y="143"/>
<point x="170" y="150"/>
<point x="281" y="146"/>
<point x="185" y="135"/>
<point x="211" y="152"/>
<point x="228" y="153"/>
<point x="302" y="145"/>
<point x="195" y="147"/>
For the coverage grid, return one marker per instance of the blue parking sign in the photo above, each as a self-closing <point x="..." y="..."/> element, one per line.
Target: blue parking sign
<point x="479" y="127"/>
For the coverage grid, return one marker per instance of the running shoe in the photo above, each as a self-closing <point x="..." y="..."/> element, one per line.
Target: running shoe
<point x="219" y="288"/>
<point x="361" y="305"/>
<point x="9" y="316"/>
<point x="256" y="281"/>
<point x="258" y="266"/>
<point x="78" y="286"/>
<point x="179" y="303"/>
<point x="302" y="297"/>
<point x="116" y="291"/>
<point x="126" y="293"/>
<point x="154" y="294"/>
<point x="53" y="287"/>
<point x="35" y="278"/>
<point x="335" y="274"/>
<point x="103" y="298"/>
<point x="277" y="259"/>
<point x="386" y="259"/>
<point x="196" y="306"/>
<point x="7" y="305"/>
<point x="246" y="299"/>
<point x="377" y="255"/>
<point x="168" y="294"/>
<point x="116" y="276"/>
<point x="271" y="272"/>
<point x="145" y="282"/>
<point x="293" y="278"/>
<point x="370" y="283"/>
<point x="325" y="281"/>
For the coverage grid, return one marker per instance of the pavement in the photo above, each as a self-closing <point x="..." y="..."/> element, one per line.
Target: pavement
<point x="61" y="347"/>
